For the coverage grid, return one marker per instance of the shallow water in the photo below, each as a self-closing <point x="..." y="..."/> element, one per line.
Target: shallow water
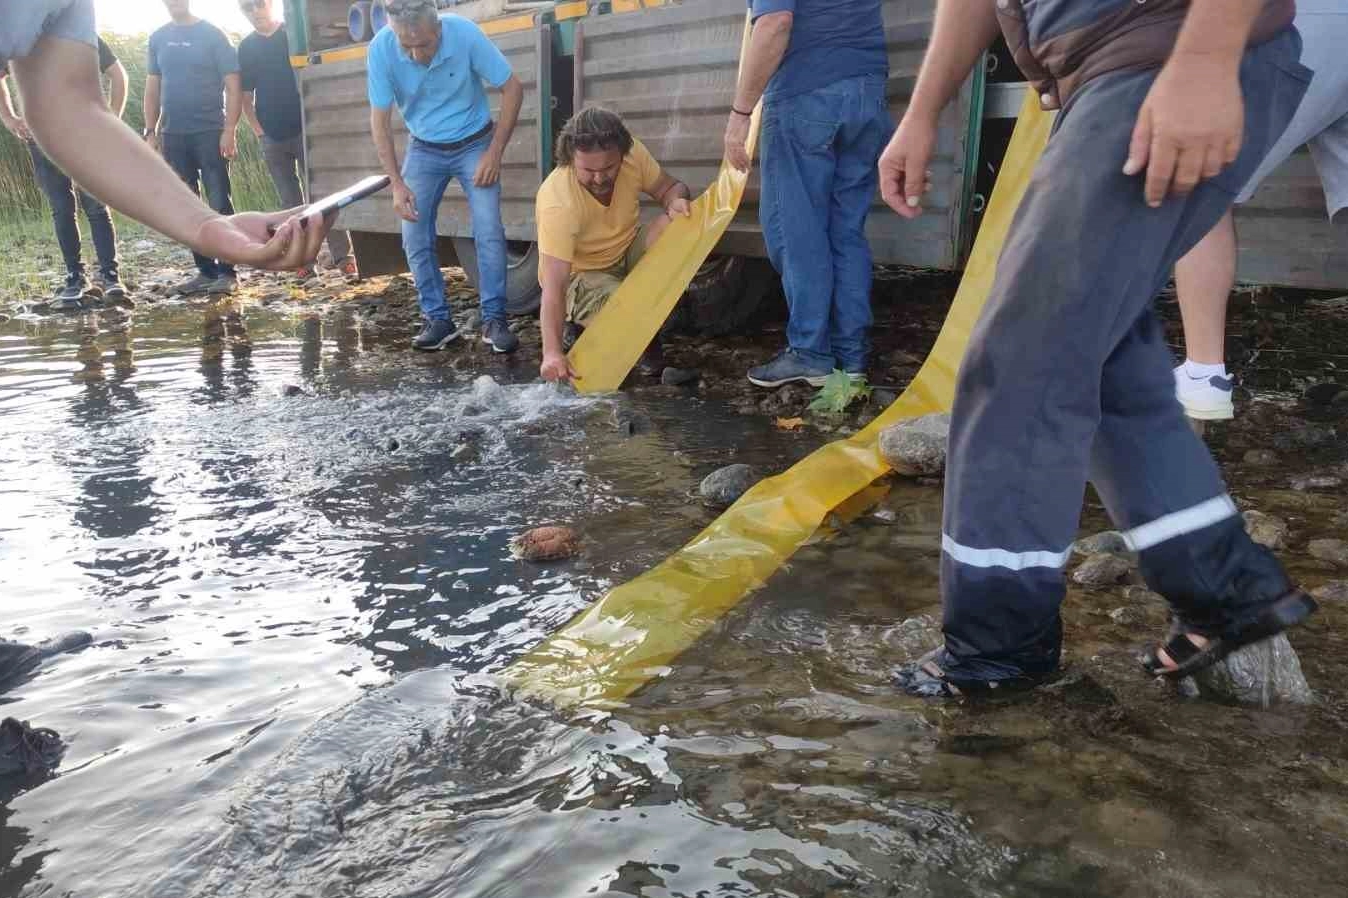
<point x="299" y="604"/>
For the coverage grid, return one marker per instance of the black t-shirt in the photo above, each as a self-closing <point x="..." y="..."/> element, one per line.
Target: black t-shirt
<point x="264" y="65"/>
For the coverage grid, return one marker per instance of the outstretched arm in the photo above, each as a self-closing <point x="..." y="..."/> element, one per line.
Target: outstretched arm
<point x="69" y="118"/>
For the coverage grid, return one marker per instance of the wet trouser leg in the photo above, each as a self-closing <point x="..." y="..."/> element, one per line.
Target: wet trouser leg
<point x="181" y="157"/>
<point x="1066" y="377"/>
<point x="427" y="172"/>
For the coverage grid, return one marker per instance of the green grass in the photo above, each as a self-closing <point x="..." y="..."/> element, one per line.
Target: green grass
<point x="25" y="223"/>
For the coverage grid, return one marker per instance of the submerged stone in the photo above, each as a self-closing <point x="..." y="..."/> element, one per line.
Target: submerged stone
<point x="1101" y="570"/>
<point x="1334" y="551"/>
<point x="546" y="544"/>
<point x="724" y="487"/>
<point x="1266" y="530"/>
<point x="1257" y="674"/>
<point x="1333" y="591"/>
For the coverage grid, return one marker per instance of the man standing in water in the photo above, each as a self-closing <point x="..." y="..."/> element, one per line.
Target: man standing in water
<point x="271" y="103"/>
<point x="62" y="195"/>
<point x="433" y="68"/>
<point x="590" y="234"/>
<point x="1167" y="108"/>
<point x="191" y="64"/>
<point x="820" y="67"/>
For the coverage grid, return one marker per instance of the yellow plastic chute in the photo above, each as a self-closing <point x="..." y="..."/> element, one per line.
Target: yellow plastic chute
<point x="637" y="630"/>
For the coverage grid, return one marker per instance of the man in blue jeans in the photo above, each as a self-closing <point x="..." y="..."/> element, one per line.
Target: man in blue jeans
<point x="825" y="120"/>
<point x="433" y="67"/>
<point x="190" y="65"/>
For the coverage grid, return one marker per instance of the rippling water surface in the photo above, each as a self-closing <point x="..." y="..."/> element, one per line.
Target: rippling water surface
<point x="300" y="599"/>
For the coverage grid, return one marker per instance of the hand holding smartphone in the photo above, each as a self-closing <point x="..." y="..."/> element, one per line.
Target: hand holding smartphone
<point x="335" y="202"/>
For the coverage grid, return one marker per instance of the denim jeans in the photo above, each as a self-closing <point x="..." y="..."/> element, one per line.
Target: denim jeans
<point x="819" y="152"/>
<point x="60" y="194"/>
<point x="285" y="163"/>
<point x="428" y="172"/>
<point x="197" y="160"/>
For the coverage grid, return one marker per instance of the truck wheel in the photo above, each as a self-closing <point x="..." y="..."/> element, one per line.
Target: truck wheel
<point x="523" y="295"/>
<point x="725" y="295"/>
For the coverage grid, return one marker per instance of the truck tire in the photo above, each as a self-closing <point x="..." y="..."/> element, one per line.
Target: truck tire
<point x="523" y="295"/>
<point x="726" y="294"/>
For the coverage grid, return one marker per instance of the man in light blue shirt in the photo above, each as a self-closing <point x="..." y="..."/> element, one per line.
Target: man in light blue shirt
<point x="433" y="68"/>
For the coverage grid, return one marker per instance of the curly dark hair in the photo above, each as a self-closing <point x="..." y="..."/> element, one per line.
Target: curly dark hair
<point x="593" y="128"/>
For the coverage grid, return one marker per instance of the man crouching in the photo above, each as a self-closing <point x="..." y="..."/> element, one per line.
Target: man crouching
<point x="589" y="229"/>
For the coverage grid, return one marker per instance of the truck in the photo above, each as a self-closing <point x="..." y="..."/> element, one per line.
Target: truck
<point x="669" y="68"/>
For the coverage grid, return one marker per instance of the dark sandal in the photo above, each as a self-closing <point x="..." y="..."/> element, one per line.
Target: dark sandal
<point x="925" y="678"/>
<point x="1188" y="659"/>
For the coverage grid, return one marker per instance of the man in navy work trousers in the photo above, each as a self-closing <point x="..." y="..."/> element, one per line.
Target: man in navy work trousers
<point x="191" y="66"/>
<point x="825" y="121"/>
<point x="433" y="67"/>
<point x="271" y="103"/>
<point x="1165" y="110"/>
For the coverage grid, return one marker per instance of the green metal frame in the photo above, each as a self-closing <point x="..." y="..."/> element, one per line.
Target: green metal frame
<point x="297" y="26"/>
<point x="973" y="136"/>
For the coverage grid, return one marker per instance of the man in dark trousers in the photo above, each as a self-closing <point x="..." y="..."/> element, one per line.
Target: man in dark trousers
<point x="271" y="103"/>
<point x="1165" y="110"/>
<point x="62" y="194"/>
<point x="191" y="65"/>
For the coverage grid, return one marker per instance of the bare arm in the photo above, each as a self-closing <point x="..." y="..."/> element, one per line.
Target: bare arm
<point x="152" y="83"/>
<point x="556" y="273"/>
<point x="58" y="81"/>
<point x="512" y="98"/>
<point x="962" y="31"/>
<point x="381" y="129"/>
<point x="671" y="193"/>
<point x="767" y="46"/>
<point x="229" y="146"/>
<point x="118" y="82"/>
<point x="1192" y="123"/>
<point x="250" y="113"/>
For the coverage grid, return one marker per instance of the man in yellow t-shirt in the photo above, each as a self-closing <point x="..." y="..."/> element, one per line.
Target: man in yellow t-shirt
<point x="589" y="229"/>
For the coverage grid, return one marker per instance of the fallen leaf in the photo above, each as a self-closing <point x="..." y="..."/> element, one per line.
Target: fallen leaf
<point x="790" y="423"/>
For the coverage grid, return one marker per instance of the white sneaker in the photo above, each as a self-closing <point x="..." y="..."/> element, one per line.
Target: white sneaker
<point x="1204" y="398"/>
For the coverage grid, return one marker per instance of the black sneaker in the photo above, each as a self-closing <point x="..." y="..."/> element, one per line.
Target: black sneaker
<point x="435" y="335"/>
<point x="224" y="285"/>
<point x="498" y="335"/>
<point x="114" y="291"/>
<point x="28" y="750"/>
<point x="68" y="298"/>
<point x="199" y="283"/>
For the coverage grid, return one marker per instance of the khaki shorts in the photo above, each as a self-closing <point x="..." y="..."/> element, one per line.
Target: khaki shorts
<point x="589" y="290"/>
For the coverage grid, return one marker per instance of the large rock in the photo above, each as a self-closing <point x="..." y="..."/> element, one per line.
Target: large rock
<point x="1110" y="542"/>
<point x="725" y="486"/>
<point x="1335" y="551"/>
<point x="1258" y="674"/>
<point x="917" y="448"/>
<point x="1102" y="570"/>
<point x="1266" y="530"/>
<point x="1304" y="436"/>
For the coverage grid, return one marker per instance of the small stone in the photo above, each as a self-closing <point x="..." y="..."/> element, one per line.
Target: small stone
<point x="1127" y="616"/>
<point x="1322" y="393"/>
<point x="791" y="397"/>
<point x="1110" y="542"/>
<point x="1333" y="591"/>
<point x="1101" y="570"/>
<point x="677" y="377"/>
<point x="1264" y="672"/>
<point x="546" y="544"/>
<point x="1316" y="482"/>
<point x="917" y="448"/>
<point x="1140" y="595"/>
<point x="472" y="322"/>
<point x="1188" y="688"/>
<point x="1266" y="530"/>
<point x="313" y="283"/>
<point x="724" y="487"/>
<point x="1263" y="457"/>
<point x="883" y="399"/>
<point x="292" y="390"/>
<point x="1334" y="551"/>
<point x="1305" y="436"/>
